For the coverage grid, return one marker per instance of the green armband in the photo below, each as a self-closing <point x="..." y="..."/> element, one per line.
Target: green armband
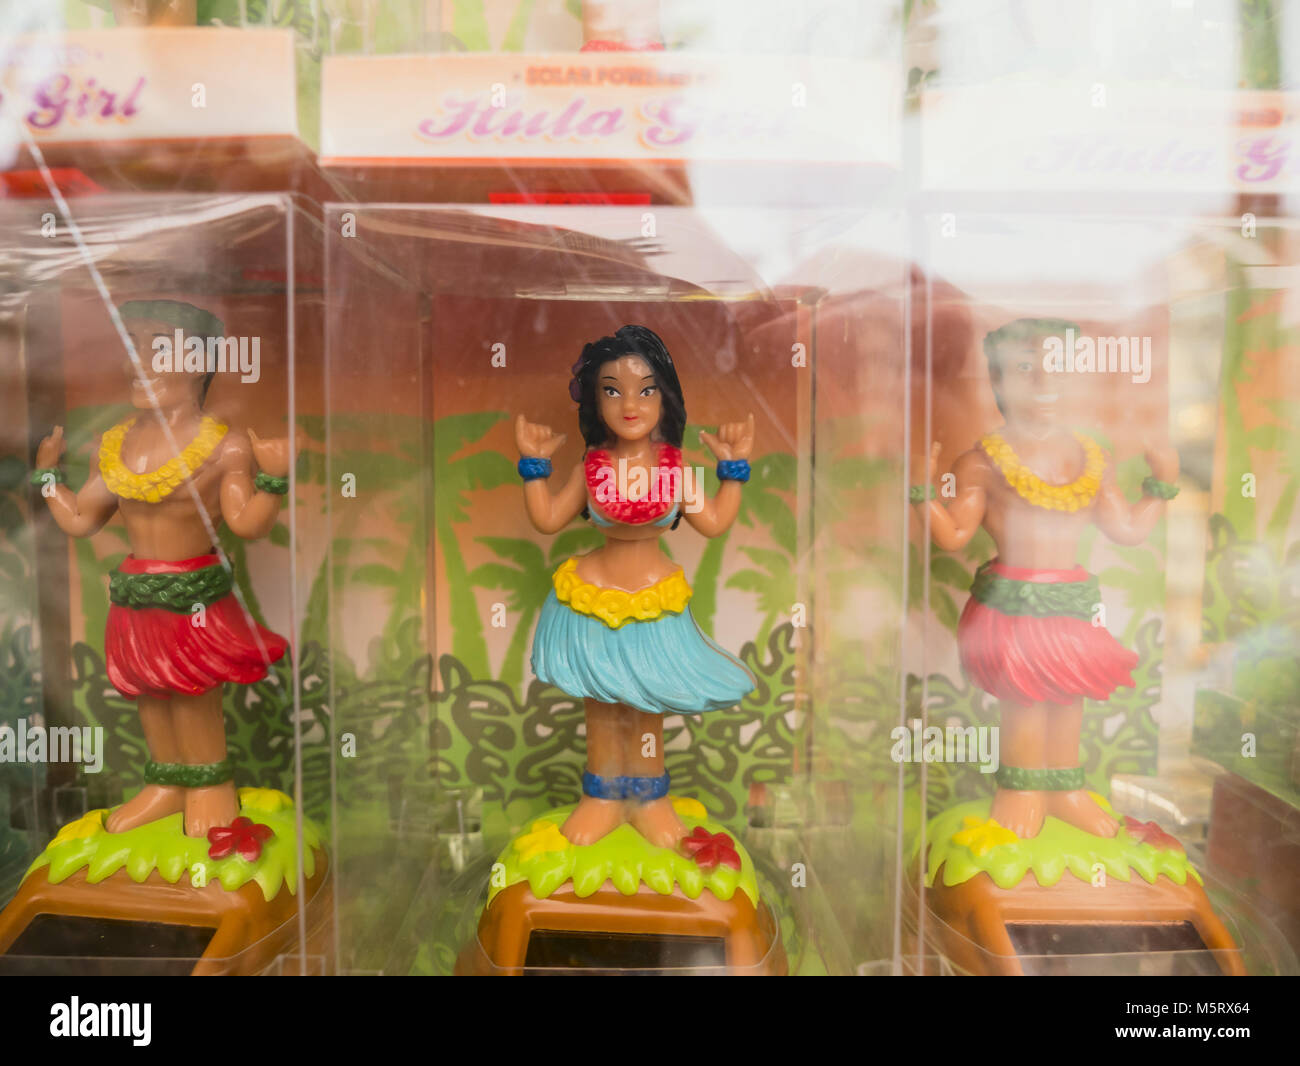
<point x="269" y="483"/>
<point x="39" y="476"/>
<point x="1153" y="486"/>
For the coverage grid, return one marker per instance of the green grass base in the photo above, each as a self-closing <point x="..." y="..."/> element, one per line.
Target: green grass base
<point x="1058" y="848"/>
<point x="163" y="846"/>
<point x="622" y="856"/>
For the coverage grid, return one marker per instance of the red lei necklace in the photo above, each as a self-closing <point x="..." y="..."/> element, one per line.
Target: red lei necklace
<point x="665" y="486"/>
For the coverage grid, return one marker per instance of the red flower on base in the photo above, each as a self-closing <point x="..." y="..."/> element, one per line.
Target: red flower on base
<point x="243" y="835"/>
<point x="711" y="849"/>
<point x="1150" y="833"/>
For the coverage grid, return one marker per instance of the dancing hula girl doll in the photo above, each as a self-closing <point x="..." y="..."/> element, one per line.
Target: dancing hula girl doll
<point x="616" y="630"/>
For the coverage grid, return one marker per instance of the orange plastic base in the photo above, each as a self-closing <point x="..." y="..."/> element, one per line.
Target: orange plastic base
<point x="967" y="923"/>
<point x="752" y="943"/>
<point x="250" y="931"/>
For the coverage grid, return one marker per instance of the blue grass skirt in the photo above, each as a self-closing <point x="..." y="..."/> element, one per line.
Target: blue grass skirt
<point x="665" y="666"/>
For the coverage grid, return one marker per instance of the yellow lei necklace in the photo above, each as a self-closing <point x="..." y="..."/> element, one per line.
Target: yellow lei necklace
<point x="1037" y="492"/>
<point x="156" y="484"/>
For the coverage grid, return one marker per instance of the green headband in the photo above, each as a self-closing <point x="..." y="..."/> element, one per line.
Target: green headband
<point x="193" y="320"/>
<point x="1026" y="329"/>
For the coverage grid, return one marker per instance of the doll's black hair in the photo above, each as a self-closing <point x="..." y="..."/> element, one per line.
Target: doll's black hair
<point x="629" y="340"/>
<point x="1022" y="329"/>
<point x="184" y="316"/>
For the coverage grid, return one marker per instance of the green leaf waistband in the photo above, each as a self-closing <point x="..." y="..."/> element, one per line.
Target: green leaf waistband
<point x="171" y="592"/>
<point x="1071" y="599"/>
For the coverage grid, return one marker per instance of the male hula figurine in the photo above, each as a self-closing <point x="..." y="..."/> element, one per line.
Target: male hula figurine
<point x="1029" y="634"/>
<point x="172" y="487"/>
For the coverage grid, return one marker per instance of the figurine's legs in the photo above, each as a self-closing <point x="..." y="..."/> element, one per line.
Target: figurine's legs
<point x="594" y="817"/>
<point x="201" y="739"/>
<point x="1075" y="807"/>
<point x="643" y="741"/>
<point x="1022" y="743"/>
<point x="153" y="801"/>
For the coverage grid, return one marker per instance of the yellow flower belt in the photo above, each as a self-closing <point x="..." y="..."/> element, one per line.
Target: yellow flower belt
<point x="615" y="606"/>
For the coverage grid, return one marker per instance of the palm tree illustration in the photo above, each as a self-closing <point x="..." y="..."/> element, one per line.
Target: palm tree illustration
<point x="453" y="480"/>
<point x="764" y="503"/>
<point x="391" y="481"/>
<point x="1254" y="338"/>
<point x="772" y="582"/>
<point x="525" y="576"/>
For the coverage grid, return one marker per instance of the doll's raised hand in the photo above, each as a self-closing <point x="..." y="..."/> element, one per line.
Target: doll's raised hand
<point x="275" y="456"/>
<point x="535" y="441"/>
<point x="1163" y="461"/>
<point x="50" y="450"/>
<point x="735" y="440"/>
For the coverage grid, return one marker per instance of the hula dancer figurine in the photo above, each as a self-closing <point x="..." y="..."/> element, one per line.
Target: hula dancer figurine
<point x="176" y="633"/>
<point x="1028" y="635"/>
<point x="616" y="630"/>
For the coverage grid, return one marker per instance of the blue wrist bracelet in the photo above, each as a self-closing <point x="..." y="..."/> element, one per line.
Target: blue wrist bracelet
<point x="733" y="470"/>
<point x="530" y="468"/>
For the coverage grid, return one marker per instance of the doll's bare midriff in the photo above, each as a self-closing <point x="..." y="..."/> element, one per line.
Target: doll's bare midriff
<point x="1028" y="536"/>
<point x="631" y="558"/>
<point x="173" y="528"/>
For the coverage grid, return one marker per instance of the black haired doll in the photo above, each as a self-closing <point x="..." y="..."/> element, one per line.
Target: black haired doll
<point x="616" y="630"/>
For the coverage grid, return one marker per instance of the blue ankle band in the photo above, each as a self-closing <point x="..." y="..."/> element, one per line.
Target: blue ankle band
<point x="605" y="788"/>
<point x="645" y="789"/>
<point x="641" y="789"/>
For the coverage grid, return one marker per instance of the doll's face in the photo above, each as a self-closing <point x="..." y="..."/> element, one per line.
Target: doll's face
<point x="629" y="399"/>
<point x="160" y="366"/>
<point x="1030" y="394"/>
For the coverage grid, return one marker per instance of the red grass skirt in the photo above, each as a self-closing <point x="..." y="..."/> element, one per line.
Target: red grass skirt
<point x="152" y="651"/>
<point x="1027" y="659"/>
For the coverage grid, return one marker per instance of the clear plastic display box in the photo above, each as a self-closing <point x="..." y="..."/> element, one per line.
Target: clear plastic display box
<point x="1100" y="714"/>
<point x="442" y="586"/>
<point x="167" y="803"/>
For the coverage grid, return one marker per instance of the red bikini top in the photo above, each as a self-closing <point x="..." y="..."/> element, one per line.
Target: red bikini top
<point x="662" y="497"/>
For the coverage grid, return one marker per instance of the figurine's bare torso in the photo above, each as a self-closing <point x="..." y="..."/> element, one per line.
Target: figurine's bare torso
<point x="1026" y="535"/>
